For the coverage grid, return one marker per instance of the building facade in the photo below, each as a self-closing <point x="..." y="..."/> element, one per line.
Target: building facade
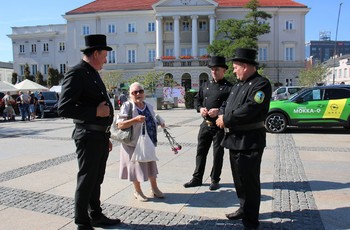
<point x="321" y="51"/>
<point x="6" y="70"/>
<point x="338" y="70"/>
<point x="169" y="36"/>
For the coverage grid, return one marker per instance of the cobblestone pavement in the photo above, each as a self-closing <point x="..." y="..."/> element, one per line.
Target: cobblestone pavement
<point x="293" y="205"/>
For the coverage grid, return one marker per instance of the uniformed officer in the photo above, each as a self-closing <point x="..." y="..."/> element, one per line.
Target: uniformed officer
<point x="207" y="102"/>
<point x="84" y="98"/>
<point x="245" y="134"/>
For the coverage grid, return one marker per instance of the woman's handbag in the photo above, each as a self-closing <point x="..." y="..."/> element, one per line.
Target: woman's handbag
<point x="122" y="135"/>
<point x="145" y="150"/>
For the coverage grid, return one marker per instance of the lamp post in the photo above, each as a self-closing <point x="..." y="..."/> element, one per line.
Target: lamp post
<point x="335" y="44"/>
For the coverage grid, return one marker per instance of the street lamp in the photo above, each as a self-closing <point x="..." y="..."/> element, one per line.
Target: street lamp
<point x="335" y="44"/>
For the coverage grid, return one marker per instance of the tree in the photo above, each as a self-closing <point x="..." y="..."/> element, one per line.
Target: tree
<point x="112" y="80"/>
<point x="27" y="73"/>
<point x="14" y="78"/>
<point x="234" y="33"/>
<point x="150" y="80"/>
<point x="39" y="78"/>
<point x="313" y="76"/>
<point x="54" y="77"/>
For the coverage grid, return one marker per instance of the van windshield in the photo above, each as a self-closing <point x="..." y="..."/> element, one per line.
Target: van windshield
<point x="50" y="96"/>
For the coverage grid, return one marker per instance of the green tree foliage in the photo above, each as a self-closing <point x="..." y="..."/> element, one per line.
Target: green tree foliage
<point x="311" y="77"/>
<point x="54" y="77"/>
<point x="39" y="78"/>
<point x="112" y="80"/>
<point x="27" y="73"/>
<point x="233" y="33"/>
<point x="149" y="80"/>
<point x="14" y="78"/>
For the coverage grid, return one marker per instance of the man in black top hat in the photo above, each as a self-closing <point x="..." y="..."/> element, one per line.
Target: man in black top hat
<point x="245" y="134"/>
<point x="84" y="98"/>
<point x="207" y="102"/>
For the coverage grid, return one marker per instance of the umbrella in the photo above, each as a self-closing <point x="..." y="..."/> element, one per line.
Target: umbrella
<point x="30" y="85"/>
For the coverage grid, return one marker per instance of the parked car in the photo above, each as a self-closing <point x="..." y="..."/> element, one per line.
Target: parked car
<point x="51" y="102"/>
<point x="285" y="92"/>
<point x="316" y="106"/>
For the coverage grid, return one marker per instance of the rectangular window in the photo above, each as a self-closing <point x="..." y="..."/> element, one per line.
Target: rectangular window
<point x="185" y="26"/>
<point x="34" y="69"/>
<point x="62" y="46"/>
<point x="21" y="70"/>
<point x="46" y="47"/>
<point x="151" y="55"/>
<point x="262" y="54"/>
<point x="169" y="26"/>
<point x="62" y="68"/>
<point x="131" y="56"/>
<point x="186" y="51"/>
<point x="111" y="29"/>
<point x="203" y="51"/>
<point x="46" y="68"/>
<point x="21" y="49"/>
<point x="86" y="30"/>
<point x="289" y="53"/>
<point x="151" y="27"/>
<point x="169" y="52"/>
<point x="289" y="25"/>
<point x="131" y="28"/>
<point x="33" y="48"/>
<point x="202" y="25"/>
<point x="111" y="57"/>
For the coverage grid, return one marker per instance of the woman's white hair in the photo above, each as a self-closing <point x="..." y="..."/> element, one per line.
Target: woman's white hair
<point x="135" y="84"/>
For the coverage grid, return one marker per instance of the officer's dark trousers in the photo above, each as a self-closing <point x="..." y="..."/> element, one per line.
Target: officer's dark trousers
<point x="245" y="166"/>
<point x="207" y="135"/>
<point x="92" y="157"/>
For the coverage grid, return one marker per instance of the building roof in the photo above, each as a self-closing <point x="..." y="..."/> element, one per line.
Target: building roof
<point x="6" y="65"/>
<point x="122" y="5"/>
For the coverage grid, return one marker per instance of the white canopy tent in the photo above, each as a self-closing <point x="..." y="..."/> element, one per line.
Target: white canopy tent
<point x="56" y="88"/>
<point x="30" y="85"/>
<point x="6" y="86"/>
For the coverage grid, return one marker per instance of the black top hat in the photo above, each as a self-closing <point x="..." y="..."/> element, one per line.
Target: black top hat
<point x="245" y="55"/>
<point x="217" y="61"/>
<point x="96" y="42"/>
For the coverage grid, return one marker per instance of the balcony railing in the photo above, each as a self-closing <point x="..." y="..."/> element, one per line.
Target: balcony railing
<point x="182" y="61"/>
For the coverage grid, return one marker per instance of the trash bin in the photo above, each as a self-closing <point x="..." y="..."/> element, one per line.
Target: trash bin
<point x="159" y="103"/>
<point x="176" y="102"/>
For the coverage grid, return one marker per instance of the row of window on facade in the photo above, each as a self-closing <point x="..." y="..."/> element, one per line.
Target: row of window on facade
<point x="186" y="25"/>
<point x="340" y="73"/>
<point x="45" y="69"/>
<point x="45" y="47"/>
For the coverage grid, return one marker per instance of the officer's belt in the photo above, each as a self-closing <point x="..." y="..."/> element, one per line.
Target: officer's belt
<point x="246" y="127"/>
<point x="100" y="128"/>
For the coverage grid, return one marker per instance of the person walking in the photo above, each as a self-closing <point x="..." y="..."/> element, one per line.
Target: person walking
<point x="142" y="114"/>
<point x="245" y="134"/>
<point x="41" y="102"/>
<point x="9" y="101"/>
<point x="84" y="98"/>
<point x="209" y="99"/>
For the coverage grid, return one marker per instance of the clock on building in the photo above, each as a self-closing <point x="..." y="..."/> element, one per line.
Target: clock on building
<point x="185" y="2"/>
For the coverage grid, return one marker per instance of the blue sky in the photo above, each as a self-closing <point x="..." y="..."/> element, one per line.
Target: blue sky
<point x="323" y="16"/>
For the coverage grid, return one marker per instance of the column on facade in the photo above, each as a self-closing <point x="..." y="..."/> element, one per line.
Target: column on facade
<point x="211" y="28"/>
<point x="194" y="36"/>
<point x="159" y="37"/>
<point x="177" y="36"/>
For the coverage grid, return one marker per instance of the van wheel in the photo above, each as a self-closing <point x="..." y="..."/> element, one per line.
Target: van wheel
<point x="276" y="123"/>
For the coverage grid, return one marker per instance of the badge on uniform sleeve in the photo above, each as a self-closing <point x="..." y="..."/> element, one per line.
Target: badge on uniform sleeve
<point x="259" y="97"/>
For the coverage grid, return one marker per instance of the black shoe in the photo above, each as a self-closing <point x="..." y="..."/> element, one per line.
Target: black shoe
<point x="214" y="186"/>
<point x="193" y="183"/>
<point x="235" y="215"/>
<point x="85" y="228"/>
<point x="104" y="221"/>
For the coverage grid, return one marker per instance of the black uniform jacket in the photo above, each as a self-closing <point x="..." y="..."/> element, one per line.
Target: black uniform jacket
<point x="246" y="106"/>
<point x="82" y="91"/>
<point x="212" y="95"/>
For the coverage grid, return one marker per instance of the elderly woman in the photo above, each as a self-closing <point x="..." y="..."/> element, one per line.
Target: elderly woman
<point x="138" y="171"/>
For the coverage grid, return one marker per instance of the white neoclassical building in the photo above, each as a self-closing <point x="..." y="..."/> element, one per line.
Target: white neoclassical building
<point x="169" y="36"/>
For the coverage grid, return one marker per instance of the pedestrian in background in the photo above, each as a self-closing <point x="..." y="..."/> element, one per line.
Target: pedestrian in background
<point x="209" y="99"/>
<point x="84" y="98"/>
<point x="245" y="135"/>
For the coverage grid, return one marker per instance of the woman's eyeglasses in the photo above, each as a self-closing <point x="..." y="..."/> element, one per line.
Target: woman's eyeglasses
<point x="141" y="91"/>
